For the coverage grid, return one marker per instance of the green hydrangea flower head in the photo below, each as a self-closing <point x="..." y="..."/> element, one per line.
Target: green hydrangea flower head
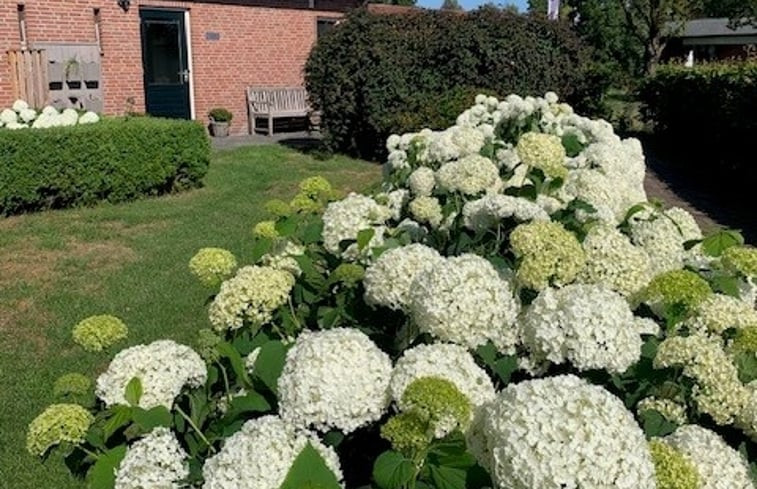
<point x="57" y="424"/>
<point x="543" y="151"/>
<point x="746" y="340"/>
<point x="549" y="254"/>
<point x="407" y="432"/>
<point x="672" y="469"/>
<point x="211" y="266"/>
<point x="278" y="208"/>
<point x="742" y="259"/>
<point x="206" y="343"/>
<point x="265" y="229"/>
<point x="349" y="274"/>
<point x="677" y="287"/>
<point x="96" y="333"/>
<point x="72" y="385"/>
<point x="438" y="402"/>
<point x="314" y="194"/>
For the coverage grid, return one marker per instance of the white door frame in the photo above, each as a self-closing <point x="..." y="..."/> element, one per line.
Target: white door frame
<point x="190" y="65"/>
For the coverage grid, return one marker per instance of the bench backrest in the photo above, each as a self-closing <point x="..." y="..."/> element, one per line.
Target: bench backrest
<point x="278" y="99"/>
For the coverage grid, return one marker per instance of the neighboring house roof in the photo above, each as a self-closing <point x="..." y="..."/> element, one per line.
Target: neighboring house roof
<point x="713" y="31"/>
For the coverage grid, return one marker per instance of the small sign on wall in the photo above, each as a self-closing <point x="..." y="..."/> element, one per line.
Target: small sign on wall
<point x="212" y="36"/>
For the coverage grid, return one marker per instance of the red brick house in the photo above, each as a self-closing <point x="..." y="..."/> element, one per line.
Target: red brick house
<point x="170" y="58"/>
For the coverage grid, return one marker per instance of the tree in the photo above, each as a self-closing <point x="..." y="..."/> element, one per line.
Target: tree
<point x="407" y="3"/>
<point x="451" y="5"/>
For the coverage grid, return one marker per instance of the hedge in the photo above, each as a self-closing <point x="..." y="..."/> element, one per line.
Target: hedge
<point x="114" y="160"/>
<point x="378" y="74"/>
<point x="707" y="113"/>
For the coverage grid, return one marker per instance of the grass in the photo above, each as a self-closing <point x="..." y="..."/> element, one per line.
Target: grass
<point x="129" y="260"/>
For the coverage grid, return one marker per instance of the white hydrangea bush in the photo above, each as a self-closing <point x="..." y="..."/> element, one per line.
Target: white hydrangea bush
<point x="506" y="310"/>
<point x="22" y="116"/>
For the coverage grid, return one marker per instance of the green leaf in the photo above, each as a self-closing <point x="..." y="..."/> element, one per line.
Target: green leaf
<point x="310" y="471"/>
<point x="120" y="417"/>
<point x="313" y="232"/>
<point x="726" y="285"/>
<point x="746" y="363"/>
<point x="505" y="367"/>
<point x="102" y="475"/>
<point x="487" y="353"/>
<point x="260" y="248"/>
<point x="252" y="402"/>
<point x="572" y="145"/>
<point x="286" y="226"/>
<point x="133" y="391"/>
<point x="152" y="418"/>
<point x="392" y="470"/>
<point x="655" y="424"/>
<point x="237" y="364"/>
<point x="364" y="237"/>
<point x="269" y="364"/>
<point x="448" y="477"/>
<point x="715" y="244"/>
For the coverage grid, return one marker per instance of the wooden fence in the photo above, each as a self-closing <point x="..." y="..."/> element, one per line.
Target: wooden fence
<point x="29" y="76"/>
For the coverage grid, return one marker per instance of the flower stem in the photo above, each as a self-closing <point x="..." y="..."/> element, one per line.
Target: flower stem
<point x="194" y="427"/>
<point x="89" y="452"/>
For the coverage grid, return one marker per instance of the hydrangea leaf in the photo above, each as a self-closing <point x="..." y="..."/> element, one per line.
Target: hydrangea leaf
<point x="392" y="470"/>
<point x="269" y="364"/>
<point x="102" y="475"/>
<point x="261" y="247"/>
<point x="448" y="477"/>
<point x="364" y="237"/>
<point x="237" y="363"/>
<point x="655" y="425"/>
<point x="715" y="244"/>
<point x="286" y="226"/>
<point x="746" y="363"/>
<point x="572" y="145"/>
<point x="310" y="471"/>
<point x="252" y="402"/>
<point x="133" y="391"/>
<point x="313" y="232"/>
<point x="147" y="419"/>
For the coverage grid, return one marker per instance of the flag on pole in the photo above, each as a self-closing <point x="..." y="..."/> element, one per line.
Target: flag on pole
<point x="553" y="9"/>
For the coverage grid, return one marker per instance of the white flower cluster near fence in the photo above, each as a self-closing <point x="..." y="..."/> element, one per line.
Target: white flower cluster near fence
<point x="21" y="116"/>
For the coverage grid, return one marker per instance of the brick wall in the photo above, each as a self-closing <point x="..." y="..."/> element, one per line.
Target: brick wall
<point x="261" y="46"/>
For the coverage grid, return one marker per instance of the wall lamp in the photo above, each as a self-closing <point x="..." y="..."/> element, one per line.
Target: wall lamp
<point x="124" y="4"/>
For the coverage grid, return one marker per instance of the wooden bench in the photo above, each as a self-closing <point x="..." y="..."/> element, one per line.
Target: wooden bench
<point x="277" y="102"/>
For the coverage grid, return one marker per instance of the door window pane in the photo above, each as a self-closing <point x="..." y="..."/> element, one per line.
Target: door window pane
<point x="163" y="55"/>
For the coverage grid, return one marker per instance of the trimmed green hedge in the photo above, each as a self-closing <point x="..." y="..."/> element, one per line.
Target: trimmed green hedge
<point x="113" y="160"/>
<point x="378" y="74"/>
<point x="708" y="114"/>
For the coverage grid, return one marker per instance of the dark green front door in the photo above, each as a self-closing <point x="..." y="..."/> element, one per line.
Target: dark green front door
<point x="164" y="58"/>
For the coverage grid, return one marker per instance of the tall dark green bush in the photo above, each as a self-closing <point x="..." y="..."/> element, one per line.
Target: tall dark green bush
<point x="707" y="113"/>
<point x="113" y="160"/>
<point x="376" y="74"/>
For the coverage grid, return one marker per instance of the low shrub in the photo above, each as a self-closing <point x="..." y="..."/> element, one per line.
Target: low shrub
<point x="713" y="103"/>
<point x="378" y="74"/>
<point x="114" y="160"/>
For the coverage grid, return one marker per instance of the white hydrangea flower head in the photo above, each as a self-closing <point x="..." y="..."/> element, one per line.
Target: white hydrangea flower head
<point x="507" y="158"/>
<point x="470" y="175"/>
<point x="89" y="118"/>
<point x="395" y="202"/>
<point x="388" y="280"/>
<point x="14" y="126"/>
<point x="27" y="115"/>
<point x="613" y="261"/>
<point x="252" y="294"/>
<point x="156" y="461"/>
<point x="163" y="367"/>
<point x="718" y="390"/>
<point x="719" y="312"/>
<point x="590" y="326"/>
<point x="20" y="105"/>
<point x="422" y="182"/>
<point x="719" y="466"/>
<point x="489" y="210"/>
<point x="670" y="410"/>
<point x="747" y="418"/>
<point x="561" y="432"/>
<point x="336" y="378"/>
<point x="282" y="257"/>
<point x="447" y="361"/>
<point x="454" y="143"/>
<point x="8" y="116"/>
<point x="344" y="219"/>
<point x="464" y="300"/>
<point x="686" y="223"/>
<point x="260" y="455"/>
<point x="49" y="110"/>
<point x="597" y="189"/>
<point x="69" y="117"/>
<point x="662" y="240"/>
<point x="427" y="210"/>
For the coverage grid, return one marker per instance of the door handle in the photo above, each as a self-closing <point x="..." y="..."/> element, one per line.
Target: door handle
<point x="184" y="76"/>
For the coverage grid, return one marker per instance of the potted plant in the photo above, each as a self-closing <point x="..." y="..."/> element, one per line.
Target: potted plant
<point x="220" y="120"/>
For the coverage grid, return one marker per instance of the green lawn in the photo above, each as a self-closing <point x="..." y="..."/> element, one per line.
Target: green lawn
<point x="129" y="260"/>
